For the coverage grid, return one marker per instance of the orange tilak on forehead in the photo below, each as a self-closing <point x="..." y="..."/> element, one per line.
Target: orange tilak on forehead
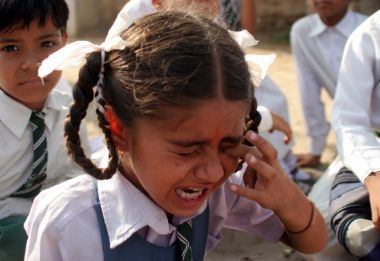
<point x="217" y="135"/>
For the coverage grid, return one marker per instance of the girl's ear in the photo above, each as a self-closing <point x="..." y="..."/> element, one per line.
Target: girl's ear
<point x="117" y="130"/>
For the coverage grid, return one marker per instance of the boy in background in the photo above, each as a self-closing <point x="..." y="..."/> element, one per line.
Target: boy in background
<point x="317" y="43"/>
<point x="32" y="113"/>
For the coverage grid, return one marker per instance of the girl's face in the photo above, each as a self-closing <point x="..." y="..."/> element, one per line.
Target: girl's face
<point x="180" y="161"/>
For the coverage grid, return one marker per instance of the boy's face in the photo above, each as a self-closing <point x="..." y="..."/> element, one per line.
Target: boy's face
<point x="331" y="11"/>
<point x="22" y="50"/>
<point x="180" y="161"/>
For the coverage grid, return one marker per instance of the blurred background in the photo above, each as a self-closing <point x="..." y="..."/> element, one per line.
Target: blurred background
<point x="93" y="18"/>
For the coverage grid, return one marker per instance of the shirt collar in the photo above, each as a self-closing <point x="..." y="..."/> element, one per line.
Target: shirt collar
<point x="344" y="26"/>
<point x="13" y="114"/>
<point x="16" y="116"/>
<point x="126" y="210"/>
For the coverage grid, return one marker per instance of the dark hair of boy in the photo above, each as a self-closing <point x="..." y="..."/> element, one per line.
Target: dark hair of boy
<point x="23" y="12"/>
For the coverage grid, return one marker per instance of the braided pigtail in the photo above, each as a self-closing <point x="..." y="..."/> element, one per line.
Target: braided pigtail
<point x="253" y="120"/>
<point x="83" y="94"/>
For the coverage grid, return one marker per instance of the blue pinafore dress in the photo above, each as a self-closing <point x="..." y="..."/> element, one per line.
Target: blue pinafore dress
<point x="137" y="248"/>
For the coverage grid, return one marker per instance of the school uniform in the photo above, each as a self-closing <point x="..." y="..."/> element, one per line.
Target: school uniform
<point x="16" y="155"/>
<point x="63" y="223"/>
<point x="229" y="12"/>
<point x="355" y="120"/>
<point x="317" y="51"/>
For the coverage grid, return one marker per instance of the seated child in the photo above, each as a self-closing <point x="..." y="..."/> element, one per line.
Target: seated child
<point x="174" y="98"/>
<point x="355" y="193"/>
<point x="317" y="42"/>
<point x="32" y="113"/>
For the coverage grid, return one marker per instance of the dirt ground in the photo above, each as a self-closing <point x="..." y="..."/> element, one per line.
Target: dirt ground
<point x="235" y="245"/>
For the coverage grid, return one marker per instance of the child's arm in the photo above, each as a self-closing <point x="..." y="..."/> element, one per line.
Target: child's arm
<point x="272" y="189"/>
<point x="248" y="16"/>
<point x="271" y="121"/>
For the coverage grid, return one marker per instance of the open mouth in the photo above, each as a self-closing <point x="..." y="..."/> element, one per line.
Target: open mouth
<point x="190" y="192"/>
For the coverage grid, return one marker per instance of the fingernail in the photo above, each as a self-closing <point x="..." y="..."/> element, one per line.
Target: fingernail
<point x="233" y="188"/>
<point x="249" y="157"/>
<point x="252" y="135"/>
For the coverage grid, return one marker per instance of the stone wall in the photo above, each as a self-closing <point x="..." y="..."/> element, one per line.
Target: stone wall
<point x="89" y="17"/>
<point x="92" y="17"/>
<point x="279" y="14"/>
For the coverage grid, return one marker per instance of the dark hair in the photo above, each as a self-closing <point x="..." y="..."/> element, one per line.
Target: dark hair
<point x="173" y="59"/>
<point x="23" y="12"/>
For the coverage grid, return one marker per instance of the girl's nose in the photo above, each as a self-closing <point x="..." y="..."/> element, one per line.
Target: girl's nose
<point x="211" y="171"/>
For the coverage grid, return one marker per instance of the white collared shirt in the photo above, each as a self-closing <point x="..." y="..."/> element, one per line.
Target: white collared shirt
<point x="62" y="224"/>
<point x="317" y="51"/>
<point x="356" y="110"/>
<point x="16" y="154"/>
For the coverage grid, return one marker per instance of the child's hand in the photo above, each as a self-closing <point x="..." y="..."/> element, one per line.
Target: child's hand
<point x="372" y="182"/>
<point x="265" y="181"/>
<point x="282" y="125"/>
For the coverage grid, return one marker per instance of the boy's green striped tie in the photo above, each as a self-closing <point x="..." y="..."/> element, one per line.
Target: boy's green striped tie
<point x="34" y="182"/>
<point x="183" y="238"/>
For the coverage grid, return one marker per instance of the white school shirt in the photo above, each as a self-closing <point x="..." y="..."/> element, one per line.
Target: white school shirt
<point x="317" y="51"/>
<point x="62" y="224"/>
<point x="16" y="154"/>
<point x="356" y="110"/>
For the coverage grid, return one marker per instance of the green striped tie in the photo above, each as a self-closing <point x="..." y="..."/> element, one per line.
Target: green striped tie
<point x="34" y="182"/>
<point x="230" y="17"/>
<point x="183" y="238"/>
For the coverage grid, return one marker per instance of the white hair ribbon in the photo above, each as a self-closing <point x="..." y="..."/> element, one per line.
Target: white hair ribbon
<point x="258" y="64"/>
<point x="74" y="54"/>
<point x="99" y="85"/>
<point x="243" y="38"/>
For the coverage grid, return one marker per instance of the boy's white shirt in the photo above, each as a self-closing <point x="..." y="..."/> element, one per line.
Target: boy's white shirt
<point x="355" y="115"/>
<point x="317" y="50"/>
<point x="356" y="109"/>
<point x="62" y="224"/>
<point x="16" y="142"/>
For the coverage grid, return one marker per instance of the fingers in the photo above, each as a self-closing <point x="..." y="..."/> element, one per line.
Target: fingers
<point x="376" y="218"/>
<point x="242" y="150"/>
<point x="288" y="136"/>
<point x="246" y="192"/>
<point x="282" y="125"/>
<point x="267" y="149"/>
<point x="308" y="160"/>
<point x="263" y="169"/>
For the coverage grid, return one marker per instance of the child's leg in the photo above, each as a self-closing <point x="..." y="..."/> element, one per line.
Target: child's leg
<point x="12" y="238"/>
<point x="350" y="214"/>
<point x="363" y="240"/>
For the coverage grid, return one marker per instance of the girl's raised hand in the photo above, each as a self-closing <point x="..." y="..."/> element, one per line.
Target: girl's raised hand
<point x="265" y="181"/>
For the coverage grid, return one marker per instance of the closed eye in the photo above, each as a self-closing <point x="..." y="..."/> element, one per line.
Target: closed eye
<point x="188" y="154"/>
